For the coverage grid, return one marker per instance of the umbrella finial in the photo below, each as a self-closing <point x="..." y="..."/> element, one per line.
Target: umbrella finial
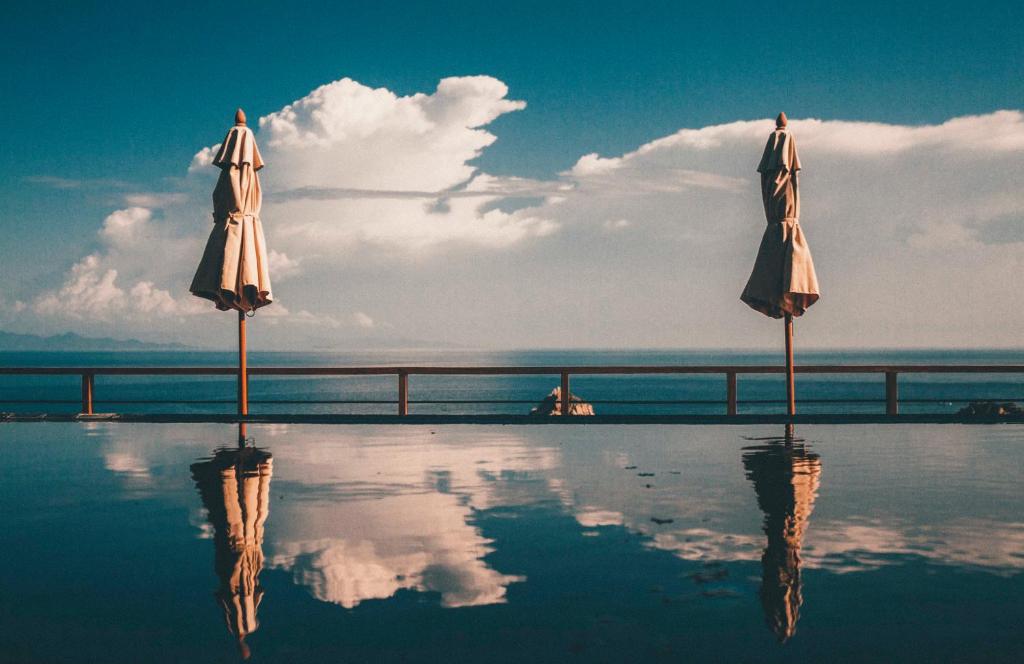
<point x="240" y="117"/>
<point x="780" y="122"/>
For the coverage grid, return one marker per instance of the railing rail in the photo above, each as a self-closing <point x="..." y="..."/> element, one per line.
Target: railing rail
<point x="731" y="374"/>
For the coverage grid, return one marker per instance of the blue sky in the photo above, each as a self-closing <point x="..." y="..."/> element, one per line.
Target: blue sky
<point x="140" y="83"/>
<point x="118" y="97"/>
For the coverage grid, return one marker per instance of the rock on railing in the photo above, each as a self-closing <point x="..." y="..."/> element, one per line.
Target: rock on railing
<point x="552" y="405"/>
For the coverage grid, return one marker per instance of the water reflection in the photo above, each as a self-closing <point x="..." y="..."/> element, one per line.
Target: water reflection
<point x="614" y="543"/>
<point x="397" y="517"/>
<point x="786" y="476"/>
<point x="235" y="489"/>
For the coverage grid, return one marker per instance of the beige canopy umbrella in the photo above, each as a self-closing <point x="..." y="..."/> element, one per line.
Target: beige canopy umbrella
<point x="782" y="283"/>
<point x="235" y="489"/>
<point x="786" y="479"/>
<point x="233" y="272"/>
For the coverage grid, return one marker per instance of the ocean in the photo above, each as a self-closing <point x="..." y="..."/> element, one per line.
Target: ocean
<point x="684" y="394"/>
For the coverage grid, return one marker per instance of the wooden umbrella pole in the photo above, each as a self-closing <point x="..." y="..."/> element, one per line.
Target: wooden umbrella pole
<point x="790" y="385"/>
<point x="243" y="372"/>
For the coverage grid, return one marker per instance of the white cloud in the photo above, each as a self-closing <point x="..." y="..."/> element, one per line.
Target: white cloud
<point x="278" y="315"/>
<point x="368" y="191"/>
<point x="613" y="225"/>
<point x="203" y="158"/>
<point x="148" y="299"/>
<point x="968" y="137"/>
<point x="281" y="266"/>
<point x="123" y="227"/>
<point x="92" y="292"/>
<point x="345" y="134"/>
<point x="155" y="199"/>
<point x="363" y="320"/>
<point x="63" y="183"/>
<point x="96" y="291"/>
<point x="904" y="223"/>
<point x="378" y="157"/>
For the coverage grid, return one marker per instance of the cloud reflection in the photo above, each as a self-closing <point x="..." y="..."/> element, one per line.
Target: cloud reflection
<point x="399" y="514"/>
<point x="416" y="542"/>
<point x="363" y="513"/>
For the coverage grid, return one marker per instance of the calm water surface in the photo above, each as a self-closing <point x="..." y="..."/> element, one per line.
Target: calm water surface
<point x="163" y="543"/>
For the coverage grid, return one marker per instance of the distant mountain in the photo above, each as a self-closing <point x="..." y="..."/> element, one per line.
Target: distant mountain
<point x="10" y="341"/>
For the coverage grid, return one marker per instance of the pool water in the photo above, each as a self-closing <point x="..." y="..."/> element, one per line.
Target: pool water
<point x="166" y="543"/>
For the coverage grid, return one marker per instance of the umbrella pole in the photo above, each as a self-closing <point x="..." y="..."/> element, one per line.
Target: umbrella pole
<point x="790" y="385"/>
<point x="243" y="375"/>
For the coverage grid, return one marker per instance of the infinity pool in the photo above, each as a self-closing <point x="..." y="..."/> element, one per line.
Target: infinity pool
<point x="165" y="543"/>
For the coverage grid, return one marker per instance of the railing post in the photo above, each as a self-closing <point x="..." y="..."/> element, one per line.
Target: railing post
<point x="730" y="392"/>
<point x="403" y="393"/>
<point x="892" y="394"/>
<point x="566" y="403"/>
<point x="88" y="384"/>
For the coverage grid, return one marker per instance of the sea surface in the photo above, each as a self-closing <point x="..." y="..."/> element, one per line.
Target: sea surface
<point x="459" y="543"/>
<point x="694" y="394"/>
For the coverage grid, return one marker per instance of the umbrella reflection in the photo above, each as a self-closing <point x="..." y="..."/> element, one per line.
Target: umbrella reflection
<point x="235" y="489"/>
<point x="786" y="477"/>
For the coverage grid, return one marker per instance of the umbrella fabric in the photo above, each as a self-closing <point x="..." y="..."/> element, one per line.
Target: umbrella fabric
<point x="783" y="279"/>
<point x="233" y="271"/>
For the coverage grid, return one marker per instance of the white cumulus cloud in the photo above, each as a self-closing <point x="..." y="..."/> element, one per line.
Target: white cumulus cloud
<point x="281" y="266"/>
<point x="907" y="225"/>
<point x="363" y="166"/>
<point x="123" y="227"/>
<point x="113" y="286"/>
<point x="92" y="292"/>
<point x="373" y="203"/>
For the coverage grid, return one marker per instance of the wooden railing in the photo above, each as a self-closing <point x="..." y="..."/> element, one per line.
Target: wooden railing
<point x="890" y="372"/>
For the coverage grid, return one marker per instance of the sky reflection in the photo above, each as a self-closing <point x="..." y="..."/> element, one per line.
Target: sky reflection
<point x="528" y="519"/>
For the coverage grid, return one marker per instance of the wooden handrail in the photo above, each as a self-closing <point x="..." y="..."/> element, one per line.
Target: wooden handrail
<point x="519" y="370"/>
<point x="730" y="372"/>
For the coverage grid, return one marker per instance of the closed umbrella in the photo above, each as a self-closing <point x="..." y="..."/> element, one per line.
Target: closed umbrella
<point x="782" y="283"/>
<point x="233" y="272"/>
